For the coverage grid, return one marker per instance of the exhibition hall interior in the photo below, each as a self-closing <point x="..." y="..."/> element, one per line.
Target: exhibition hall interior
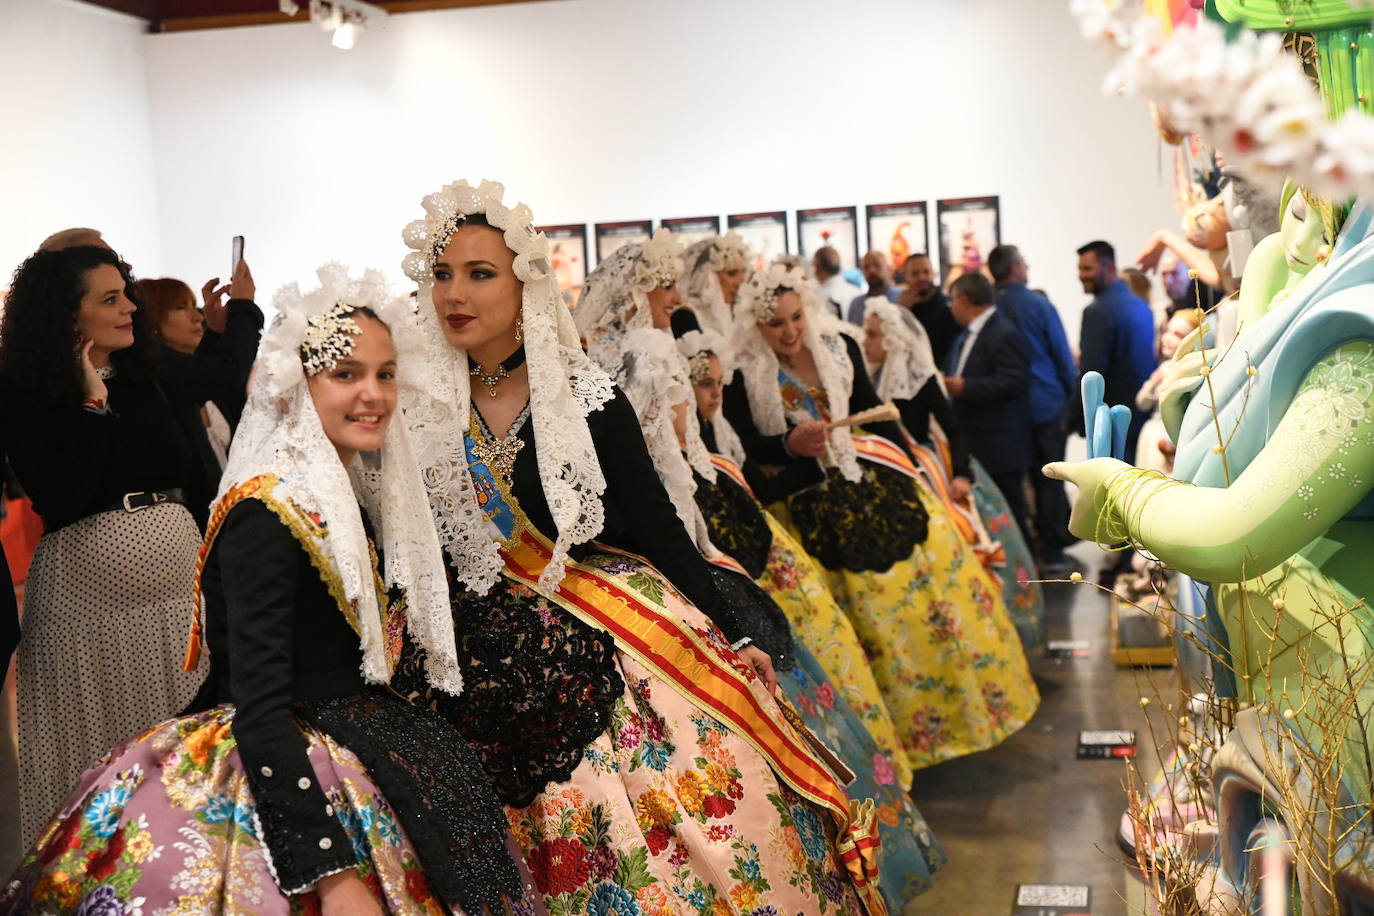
<point x="650" y="458"/>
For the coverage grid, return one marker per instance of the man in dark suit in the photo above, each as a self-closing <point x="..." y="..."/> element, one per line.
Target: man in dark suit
<point x="1117" y="337"/>
<point x="988" y="376"/>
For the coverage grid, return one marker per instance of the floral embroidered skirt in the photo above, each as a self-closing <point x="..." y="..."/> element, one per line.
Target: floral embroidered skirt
<point x="910" y="853"/>
<point x="938" y="638"/>
<point x="797" y="583"/>
<point x="166" y="823"/>
<point x="1024" y="600"/>
<point x="661" y="809"/>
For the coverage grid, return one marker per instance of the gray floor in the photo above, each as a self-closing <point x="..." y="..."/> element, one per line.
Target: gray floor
<point x="1023" y="812"/>
<point x="1027" y="811"/>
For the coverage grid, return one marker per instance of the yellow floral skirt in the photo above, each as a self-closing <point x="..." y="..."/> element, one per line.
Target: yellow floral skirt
<point x="939" y="641"/>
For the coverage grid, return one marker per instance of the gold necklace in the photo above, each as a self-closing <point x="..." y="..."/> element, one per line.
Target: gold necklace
<point x="497" y="454"/>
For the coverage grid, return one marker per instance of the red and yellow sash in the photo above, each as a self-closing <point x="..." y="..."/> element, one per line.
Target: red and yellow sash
<point x="684" y="659"/>
<point x="885" y="452"/>
<point x="725" y="561"/>
<point x="734" y="471"/>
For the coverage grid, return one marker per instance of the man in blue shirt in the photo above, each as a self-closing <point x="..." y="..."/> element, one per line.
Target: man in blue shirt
<point x="1118" y="335"/>
<point x="1053" y="379"/>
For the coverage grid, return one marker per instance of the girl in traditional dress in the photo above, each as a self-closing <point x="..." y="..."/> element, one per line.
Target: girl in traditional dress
<point x="309" y="787"/>
<point x="900" y="362"/>
<point x="646" y="767"/>
<point x="941" y="645"/>
<point x="654" y="377"/>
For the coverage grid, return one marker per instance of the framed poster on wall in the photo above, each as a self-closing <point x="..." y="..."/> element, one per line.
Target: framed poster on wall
<point x="764" y="233"/>
<point x="834" y="226"/>
<point x="690" y="229"/>
<point x="568" y="252"/>
<point x="610" y="236"/>
<point x="897" y="230"/>
<point x="970" y="227"/>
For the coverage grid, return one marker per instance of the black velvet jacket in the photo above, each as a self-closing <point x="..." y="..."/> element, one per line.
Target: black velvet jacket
<point x="796" y="473"/>
<point x="640" y="518"/>
<point x="276" y="636"/>
<point x="284" y="655"/>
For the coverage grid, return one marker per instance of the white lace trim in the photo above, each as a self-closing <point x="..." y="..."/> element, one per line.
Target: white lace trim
<point x="759" y="365"/>
<point x="565" y="387"/>
<point x="910" y="362"/>
<point x="653" y="376"/>
<point x="615" y="297"/>
<point x="280" y="434"/>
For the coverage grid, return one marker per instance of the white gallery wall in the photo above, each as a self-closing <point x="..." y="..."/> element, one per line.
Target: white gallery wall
<point x="76" y="146"/>
<point x="589" y="110"/>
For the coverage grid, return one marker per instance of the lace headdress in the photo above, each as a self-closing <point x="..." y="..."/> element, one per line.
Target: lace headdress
<point x="697" y="347"/>
<point x="615" y="296"/>
<point x="910" y="362"/>
<point x="280" y="434"/>
<point x="652" y="375"/>
<point x="701" y="285"/>
<point x="759" y="365"/>
<point x="565" y="387"/>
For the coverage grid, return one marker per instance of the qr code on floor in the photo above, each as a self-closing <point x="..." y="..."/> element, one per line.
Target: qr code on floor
<point x="1052" y="895"/>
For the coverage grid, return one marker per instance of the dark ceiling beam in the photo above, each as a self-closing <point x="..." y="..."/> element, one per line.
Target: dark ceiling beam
<point x="143" y="9"/>
<point x="187" y="15"/>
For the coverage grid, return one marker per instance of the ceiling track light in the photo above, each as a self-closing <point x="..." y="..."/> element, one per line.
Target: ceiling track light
<point x="343" y="19"/>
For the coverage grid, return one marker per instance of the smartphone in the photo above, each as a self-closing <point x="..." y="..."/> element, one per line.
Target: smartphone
<point x="238" y="254"/>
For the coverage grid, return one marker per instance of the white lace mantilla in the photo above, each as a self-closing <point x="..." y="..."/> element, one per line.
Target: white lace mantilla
<point x="565" y="387"/>
<point x="280" y="434"/>
<point x="910" y="362"/>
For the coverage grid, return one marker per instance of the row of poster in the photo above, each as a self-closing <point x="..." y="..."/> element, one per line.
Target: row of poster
<point x="968" y="227"/>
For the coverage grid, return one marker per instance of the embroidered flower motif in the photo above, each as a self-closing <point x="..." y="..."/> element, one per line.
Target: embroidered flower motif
<point x="559" y="865"/>
<point x="612" y="900"/>
<point x="811" y="832"/>
<point x="105" y="809"/>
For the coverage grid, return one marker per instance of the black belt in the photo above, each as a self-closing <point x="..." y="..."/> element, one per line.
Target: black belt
<point x="135" y="502"/>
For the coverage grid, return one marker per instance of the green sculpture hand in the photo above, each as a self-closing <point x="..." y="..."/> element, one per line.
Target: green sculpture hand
<point x="1092" y="518"/>
<point x="1316" y="466"/>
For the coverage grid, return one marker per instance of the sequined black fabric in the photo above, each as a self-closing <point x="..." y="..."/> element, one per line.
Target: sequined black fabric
<point x="538" y="687"/>
<point x="759" y="614"/>
<point x="860" y="526"/>
<point x="434" y="781"/>
<point x="735" y="521"/>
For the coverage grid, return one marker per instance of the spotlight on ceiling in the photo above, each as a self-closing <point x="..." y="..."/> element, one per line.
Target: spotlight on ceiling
<point x="343" y="19"/>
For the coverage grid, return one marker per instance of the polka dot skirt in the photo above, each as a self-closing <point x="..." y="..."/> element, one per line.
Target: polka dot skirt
<point x="107" y="609"/>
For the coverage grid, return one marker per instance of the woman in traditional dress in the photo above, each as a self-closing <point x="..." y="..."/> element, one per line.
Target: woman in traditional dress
<point x="715" y="269"/>
<point x="645" y="767"/>
<point x="309" y="787"/>
<point x="737" y="522"/>
<point x="654" y="377"/>
<point x="897" y="352"/>
<point x="942" y="647"/>
<point x="96" y="438"/>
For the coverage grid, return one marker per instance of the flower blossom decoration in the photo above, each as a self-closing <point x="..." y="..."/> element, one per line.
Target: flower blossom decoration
<point x="1247" y="97"/>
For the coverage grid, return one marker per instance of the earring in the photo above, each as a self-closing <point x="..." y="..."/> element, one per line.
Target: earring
<point x="520" y="329"/>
